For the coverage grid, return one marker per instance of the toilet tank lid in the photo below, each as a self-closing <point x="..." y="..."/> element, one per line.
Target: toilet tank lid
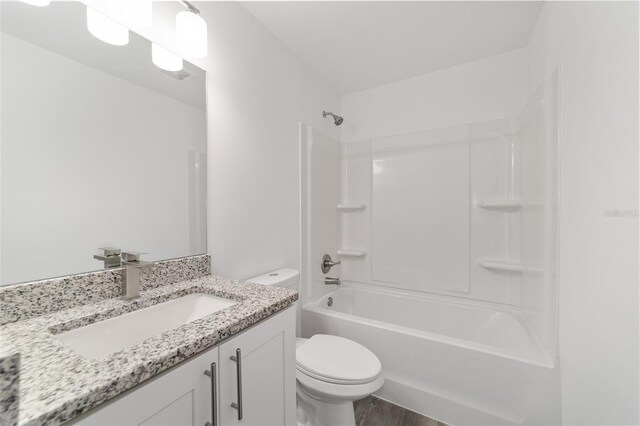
<point x="280" y="277"/>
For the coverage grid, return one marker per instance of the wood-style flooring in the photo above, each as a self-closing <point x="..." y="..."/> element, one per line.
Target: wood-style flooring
<point x="372" y="411"/>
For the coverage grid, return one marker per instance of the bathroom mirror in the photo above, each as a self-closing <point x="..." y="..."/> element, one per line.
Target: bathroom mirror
<point x="99" y="147"/>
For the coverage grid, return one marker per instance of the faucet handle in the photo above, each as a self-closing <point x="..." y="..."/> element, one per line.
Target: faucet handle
<point x="110" y="251"/>
<point x="327" y="263"/>
<point x="110" y="256"/>
<point x="132" y="256"/>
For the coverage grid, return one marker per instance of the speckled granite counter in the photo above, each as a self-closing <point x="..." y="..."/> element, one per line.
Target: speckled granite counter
<point x="56" y="384"/>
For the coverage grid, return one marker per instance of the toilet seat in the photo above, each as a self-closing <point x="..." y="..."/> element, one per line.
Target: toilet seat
<point x="335" y="392"/>
<point x="333" y="365"/>
<point x="321" y="378"/>
<point x="334" y="359"/>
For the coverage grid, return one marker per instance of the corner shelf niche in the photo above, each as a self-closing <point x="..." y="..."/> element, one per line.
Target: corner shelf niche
<point x="351" y="207"/>
<point x="351" y="253"/>
<point x="506" y="265"/>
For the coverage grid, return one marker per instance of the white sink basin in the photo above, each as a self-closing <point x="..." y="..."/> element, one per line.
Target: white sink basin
<point x="111" y="335"/>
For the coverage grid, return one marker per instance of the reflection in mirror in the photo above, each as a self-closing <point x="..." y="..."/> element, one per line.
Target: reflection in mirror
<point x="100" y="148"/>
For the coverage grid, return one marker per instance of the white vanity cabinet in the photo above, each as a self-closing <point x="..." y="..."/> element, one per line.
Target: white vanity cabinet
<point x="267" y="376"/>
<point x="183" y="395"/>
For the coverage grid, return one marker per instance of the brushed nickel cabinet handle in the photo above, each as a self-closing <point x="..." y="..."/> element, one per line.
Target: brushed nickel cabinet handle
<point x="238" y="359"/>
<point x="214" y="394"/>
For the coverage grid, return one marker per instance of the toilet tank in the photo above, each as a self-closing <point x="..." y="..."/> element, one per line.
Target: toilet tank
<point x="285" y="277"/>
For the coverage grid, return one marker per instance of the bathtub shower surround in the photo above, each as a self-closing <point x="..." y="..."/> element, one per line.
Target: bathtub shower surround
<point x="320" y="221"/>
<point x="465" y="211"/>
<point x="448" y="242"/>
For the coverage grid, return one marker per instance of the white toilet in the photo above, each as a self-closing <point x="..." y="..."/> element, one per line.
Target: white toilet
<point x="332" y="371"/>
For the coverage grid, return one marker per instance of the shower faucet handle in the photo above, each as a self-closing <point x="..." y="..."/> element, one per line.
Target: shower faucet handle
<point x="327" y="263"/>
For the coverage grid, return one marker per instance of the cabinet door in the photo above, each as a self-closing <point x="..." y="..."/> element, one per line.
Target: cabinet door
<point x="179" y="397"/>
<point x="268" y="383"/>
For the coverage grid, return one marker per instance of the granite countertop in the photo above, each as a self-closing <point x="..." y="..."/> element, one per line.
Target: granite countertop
<point x="56" y="384"/>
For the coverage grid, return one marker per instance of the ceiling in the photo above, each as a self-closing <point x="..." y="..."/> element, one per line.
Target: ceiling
<point x="61" y="28"/>
<point x="357" y="45"/>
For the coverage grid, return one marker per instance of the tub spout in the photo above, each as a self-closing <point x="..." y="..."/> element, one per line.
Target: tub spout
<point x="332" y="281"/>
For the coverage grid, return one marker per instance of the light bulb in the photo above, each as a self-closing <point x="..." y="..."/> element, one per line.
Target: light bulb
<point x="191" y="34"/>
<point x="164" y="59"/>
<point x="106" y="29"/>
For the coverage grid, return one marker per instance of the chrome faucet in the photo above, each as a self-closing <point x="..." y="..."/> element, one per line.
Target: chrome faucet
<point x="332" y="281"/>
<point x="133" y="268"/>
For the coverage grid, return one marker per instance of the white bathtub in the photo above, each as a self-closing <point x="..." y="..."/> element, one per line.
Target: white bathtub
<point x="455" y="362"/>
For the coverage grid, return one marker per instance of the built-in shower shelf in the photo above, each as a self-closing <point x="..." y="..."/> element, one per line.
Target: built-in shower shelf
<point x="507" y="204"/>
<point x="350" y="207"/>
<point x="351" y="253"/>
<point x="506" y="265"/>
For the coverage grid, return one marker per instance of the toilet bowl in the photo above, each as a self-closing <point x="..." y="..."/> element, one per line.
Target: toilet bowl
<point x="331" y="371"/>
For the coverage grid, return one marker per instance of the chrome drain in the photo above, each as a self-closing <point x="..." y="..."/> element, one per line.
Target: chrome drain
<point x="330" y="301"/>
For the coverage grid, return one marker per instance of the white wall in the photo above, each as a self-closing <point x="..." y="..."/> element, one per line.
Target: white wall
<point x="257" y="94"/>
<point x="73" y="181"/>
<point x="596" y="46"/>
<point x="487" y="89"/>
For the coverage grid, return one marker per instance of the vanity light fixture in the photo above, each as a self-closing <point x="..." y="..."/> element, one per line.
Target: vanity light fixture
<point x="164" y="59"/>
<point x="191" y="32"/>
<point x="40" y="3"/>
<point x="106" y="29"/>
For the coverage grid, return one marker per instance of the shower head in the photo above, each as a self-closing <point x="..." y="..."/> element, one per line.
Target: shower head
<point x="337" y="120"/>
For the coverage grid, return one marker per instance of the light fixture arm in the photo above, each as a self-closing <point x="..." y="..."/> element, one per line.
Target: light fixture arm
<point x="190" y="7"/>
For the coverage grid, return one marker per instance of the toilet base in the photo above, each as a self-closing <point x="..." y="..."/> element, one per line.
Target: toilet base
<point x="315" y="412"/>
